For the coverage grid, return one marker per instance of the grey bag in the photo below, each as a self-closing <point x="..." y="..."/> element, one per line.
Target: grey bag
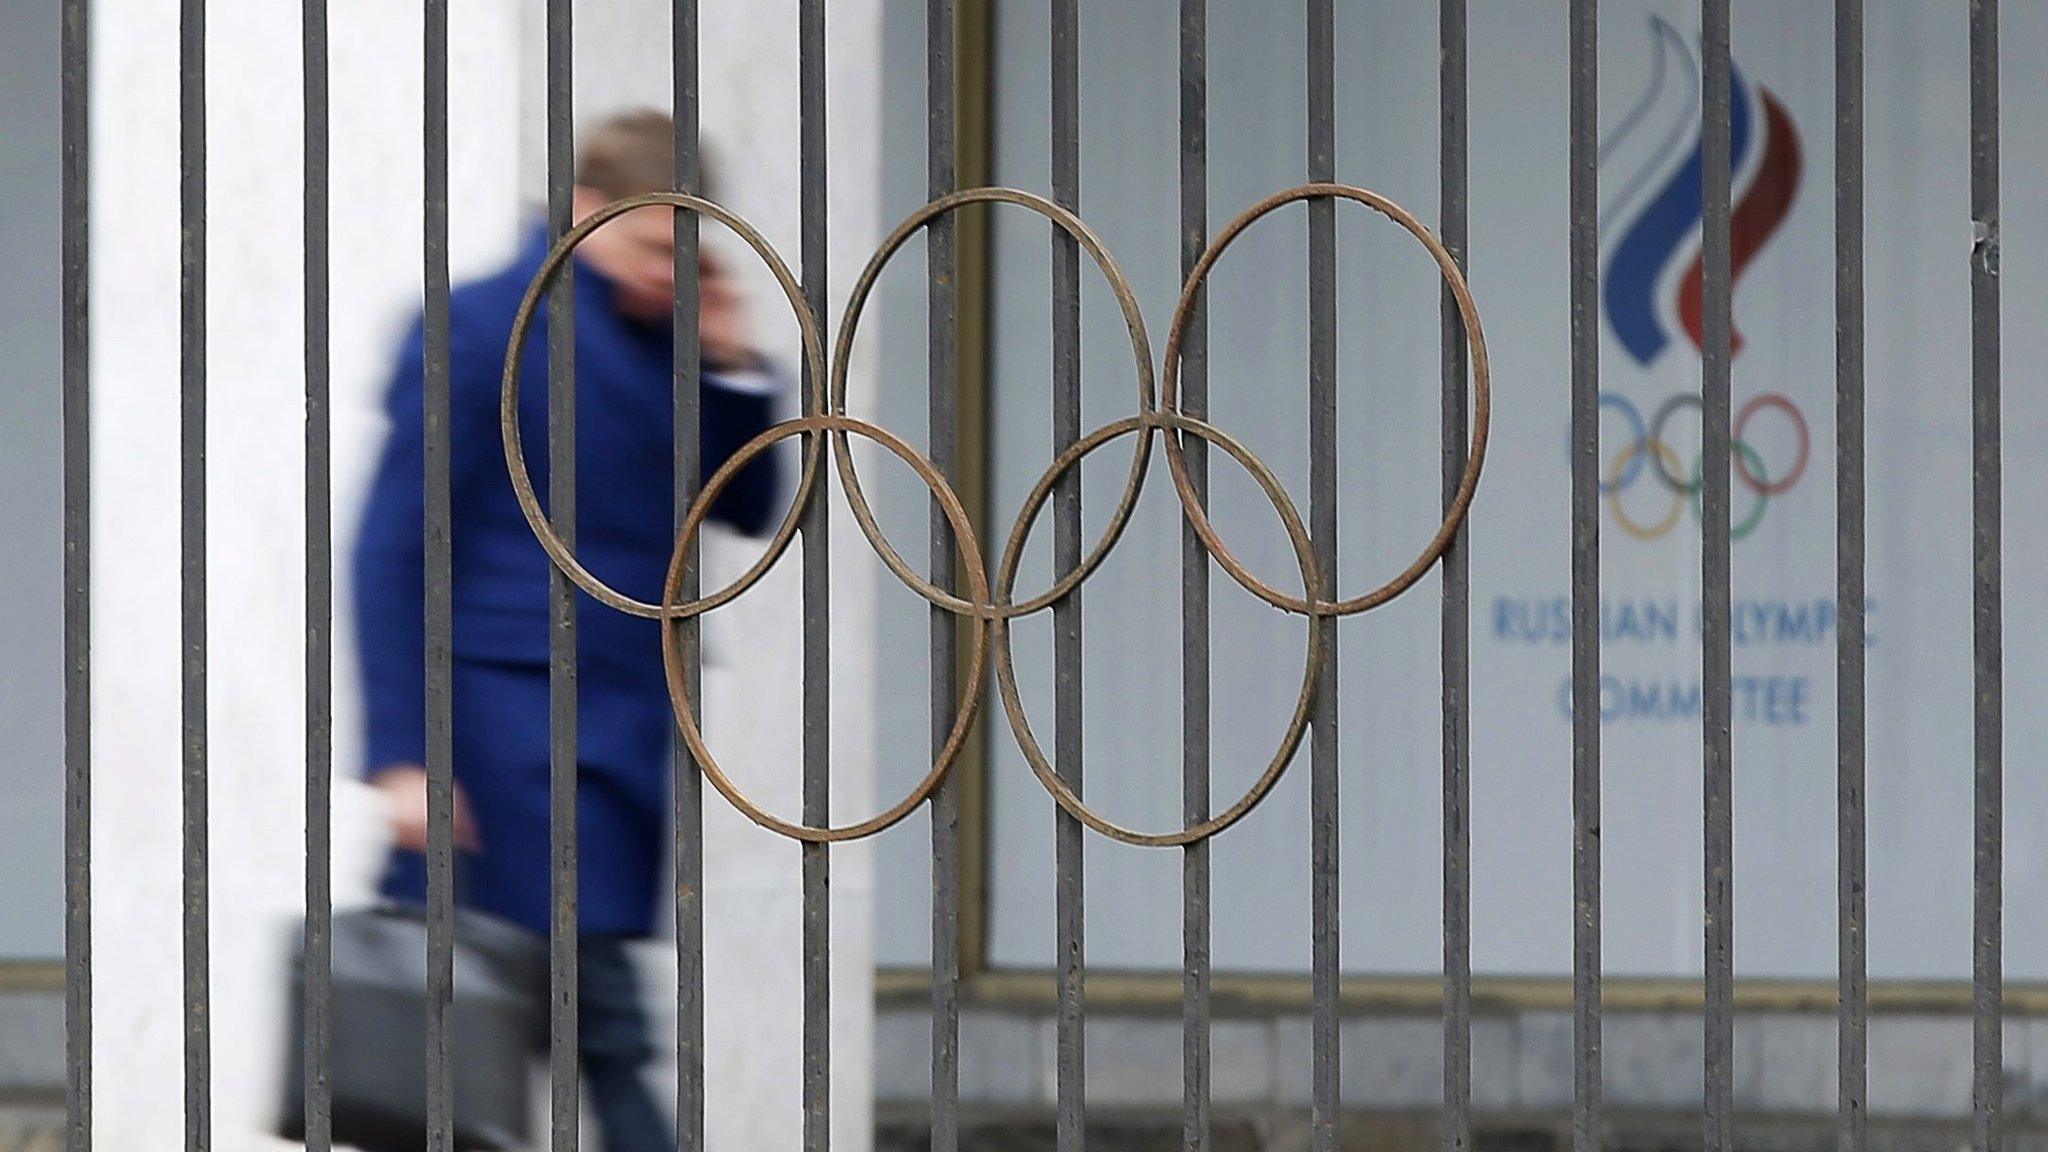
<point x="378" y="1064"/>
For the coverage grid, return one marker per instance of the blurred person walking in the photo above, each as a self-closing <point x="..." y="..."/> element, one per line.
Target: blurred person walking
<point x="624" y="300"/>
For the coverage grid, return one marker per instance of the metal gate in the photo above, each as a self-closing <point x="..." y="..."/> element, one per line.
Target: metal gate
<point x="973" y="594"/>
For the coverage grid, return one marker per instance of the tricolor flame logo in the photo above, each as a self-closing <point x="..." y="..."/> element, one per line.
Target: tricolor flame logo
<point x="1659" y="231"/>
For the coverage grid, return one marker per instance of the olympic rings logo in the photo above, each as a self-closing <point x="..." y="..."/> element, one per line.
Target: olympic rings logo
<point x="1648" y="453"/>
<point x="990" y="605"/>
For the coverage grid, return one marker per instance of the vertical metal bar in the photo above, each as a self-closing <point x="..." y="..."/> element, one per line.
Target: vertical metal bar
<point x="192" y="566"/>
<point x="318" y="962"/>
<point x="689" y="472"/>
<point x="1194" y="588"/>
<point x="563" y="1064"/>
<point x="973" y="31"/>
<point x="77" y="323"/>
<point x="1987" y="971"/>
<point x="1853" y="1048"/>
<point x="1716" y="677"/>
<point x="689" y="784"/>
<point x="1585" y="355"/>
<point x="1456" y="632"/>
<point x="1322" y="446"/>
<point x="817" y="582"/>
<point x="439" y="577"/>
<point x="942" y="310"/>
<point x="1070" y="1132"/>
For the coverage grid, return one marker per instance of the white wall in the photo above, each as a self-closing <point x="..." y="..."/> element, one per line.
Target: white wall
<point x="255" y="522"/>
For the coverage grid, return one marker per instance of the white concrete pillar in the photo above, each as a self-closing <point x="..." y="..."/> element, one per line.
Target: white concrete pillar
<point x="752" y="898"/>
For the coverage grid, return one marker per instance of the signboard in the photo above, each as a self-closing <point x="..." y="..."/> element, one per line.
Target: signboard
<point x="31" y="470"/>
<point x="1919" y="237"/>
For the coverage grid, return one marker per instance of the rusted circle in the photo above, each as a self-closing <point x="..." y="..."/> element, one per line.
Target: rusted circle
<point x="672" y="654"/>
<point x="558" y="551"/>
<point x="1141" y="351"/>
<point x="1006" y="672"/>
<point x="1316" y="603"/>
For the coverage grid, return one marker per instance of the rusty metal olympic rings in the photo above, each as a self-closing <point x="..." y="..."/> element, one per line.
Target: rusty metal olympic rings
<point x="508" y="406"/>
<point x="1141" y="352"/>
<point x="672" y="653"/>
<point x="1006" y="673"/>
<point x="1482" y="403"/>
<point x="827" y="427"/>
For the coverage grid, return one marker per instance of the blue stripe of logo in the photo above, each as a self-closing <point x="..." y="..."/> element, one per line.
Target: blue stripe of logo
<point x="1655" y="238"/>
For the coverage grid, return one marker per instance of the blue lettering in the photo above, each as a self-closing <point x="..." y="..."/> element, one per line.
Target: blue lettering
<point x="1795" y="624"/>
<point x="1774" y="700"/>
<point x="1685" y="700"/>
<point x="1526" y="621"/>
<point x="1785" y="701"/>
<point x="1630" y="623"/>
<point x="1744" y="690"/>
<point x="1663" y="618"/>
<point x="1538" y="621"/>
<point x="1642" y="699"/>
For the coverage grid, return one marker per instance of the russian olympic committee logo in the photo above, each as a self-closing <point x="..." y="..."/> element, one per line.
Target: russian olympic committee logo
<point x="1648" y="453"/>
<point x="1653" y="279"/>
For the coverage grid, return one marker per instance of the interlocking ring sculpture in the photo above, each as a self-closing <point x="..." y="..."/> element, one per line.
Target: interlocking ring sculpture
<point x="988" y="608"/>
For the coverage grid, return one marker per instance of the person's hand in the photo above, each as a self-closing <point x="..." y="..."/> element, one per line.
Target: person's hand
<point x="404" y="789"/>
<point x="722" y="328"/>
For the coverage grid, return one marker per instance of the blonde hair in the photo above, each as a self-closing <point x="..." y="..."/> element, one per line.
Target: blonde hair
<point x="633" y="152"/>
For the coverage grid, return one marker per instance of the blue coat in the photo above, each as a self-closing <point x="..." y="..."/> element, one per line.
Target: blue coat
<point x="625" y="530"/>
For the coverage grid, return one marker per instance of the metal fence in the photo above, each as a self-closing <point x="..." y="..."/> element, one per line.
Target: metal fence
<point x="986" y="607"/>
